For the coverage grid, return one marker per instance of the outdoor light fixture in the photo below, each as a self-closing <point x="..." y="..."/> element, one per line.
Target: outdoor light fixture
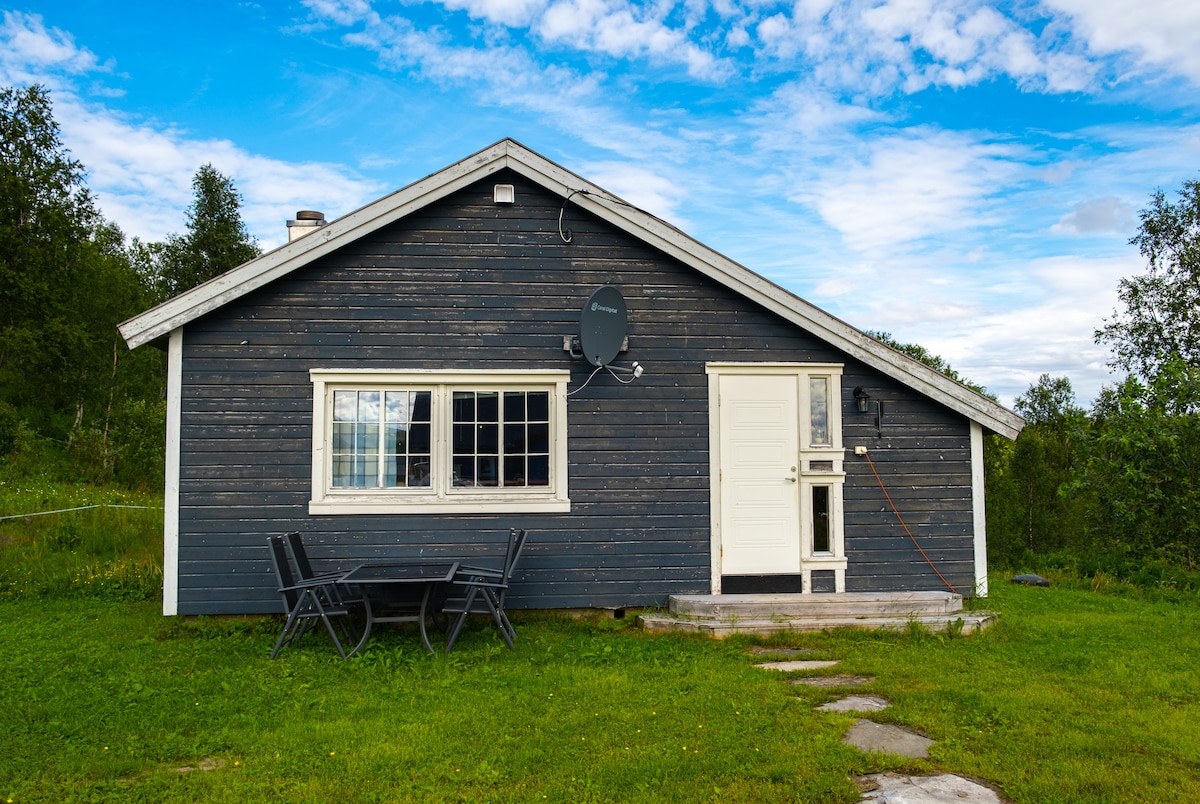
<point x="861" y="398"/>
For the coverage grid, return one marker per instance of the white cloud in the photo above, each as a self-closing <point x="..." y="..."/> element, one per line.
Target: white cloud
<point x="649" y="190"/>
<point x="32" y="53"/>
<point x="512" y="13"/>
<point x="1108" y="214"/>
<point x="912" y="184"/>
<point x="866" y="46"/>
<point x="1162" y="33"/>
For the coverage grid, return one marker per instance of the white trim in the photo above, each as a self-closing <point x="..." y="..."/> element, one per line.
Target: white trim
<point x="157" y="322"/>
<point x="834" y="452"/>
<point x="438" y="499"/>
<point x="171" y="481"/>
<point x="714" y="478"/>
<point x="978" y="510"/>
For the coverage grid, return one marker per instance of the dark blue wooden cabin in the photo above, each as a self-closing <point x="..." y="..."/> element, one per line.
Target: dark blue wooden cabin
<point x="403" y="381"/>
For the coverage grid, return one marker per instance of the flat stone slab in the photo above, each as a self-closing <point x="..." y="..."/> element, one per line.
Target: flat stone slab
<point x="890" y="788"/>
<point x="856" y="703"/>
<point x="787" y="667"/>
<point x="870" y="737"/>
<point x="833" y="681"/>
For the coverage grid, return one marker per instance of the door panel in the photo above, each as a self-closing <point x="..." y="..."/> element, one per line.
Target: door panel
<point x="759" y="488"/>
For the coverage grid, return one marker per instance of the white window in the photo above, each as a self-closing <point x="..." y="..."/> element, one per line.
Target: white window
<point x="452" y="441"/>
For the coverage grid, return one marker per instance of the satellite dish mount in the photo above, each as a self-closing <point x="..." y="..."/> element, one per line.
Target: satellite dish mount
<point x="603" y="327"/>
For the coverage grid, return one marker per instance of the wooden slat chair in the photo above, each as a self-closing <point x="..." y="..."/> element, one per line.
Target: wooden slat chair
<point x="483" y="592"/>
<point x="308" y="600"/>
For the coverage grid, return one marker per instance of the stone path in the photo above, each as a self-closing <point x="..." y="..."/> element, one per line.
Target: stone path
<point x="868" y="736"/>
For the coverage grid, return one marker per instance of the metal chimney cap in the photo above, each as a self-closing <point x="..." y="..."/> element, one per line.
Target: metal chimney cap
<point x="310" y="215"/>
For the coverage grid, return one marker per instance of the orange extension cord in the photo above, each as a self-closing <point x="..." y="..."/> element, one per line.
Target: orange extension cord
<point x="879" y="480"/>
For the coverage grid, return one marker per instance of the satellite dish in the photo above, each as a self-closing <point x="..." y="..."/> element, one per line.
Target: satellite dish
<point x="602" y="325"/>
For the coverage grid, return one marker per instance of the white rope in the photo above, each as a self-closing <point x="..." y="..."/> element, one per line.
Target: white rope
<point x="80" y="508"/>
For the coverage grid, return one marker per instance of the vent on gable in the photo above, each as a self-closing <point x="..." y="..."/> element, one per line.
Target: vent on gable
<point x="504" y="194"/>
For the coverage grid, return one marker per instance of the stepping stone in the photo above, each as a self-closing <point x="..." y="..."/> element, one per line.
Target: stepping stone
<point x="833" y="681"/>
<point x="787" y="667"/>
<point x="856" y="703"/>
<point x="870" y="737"/>
<point x="890" y="788"/>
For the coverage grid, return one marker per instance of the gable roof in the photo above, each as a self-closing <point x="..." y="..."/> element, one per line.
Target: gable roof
<point x="186" y="307"/>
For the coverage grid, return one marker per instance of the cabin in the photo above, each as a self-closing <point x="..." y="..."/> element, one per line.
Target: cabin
<point x="505" y="344"/>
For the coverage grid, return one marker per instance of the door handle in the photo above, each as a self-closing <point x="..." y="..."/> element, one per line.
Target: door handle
<point x="791" y="479"/>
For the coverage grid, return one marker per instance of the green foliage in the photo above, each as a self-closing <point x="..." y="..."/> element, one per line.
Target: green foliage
<point x="1160" y="322"/>
<point x="102" y="542"/>
<point x="1030" y="509"/>
<point x="216" y="240"/>
<point x="65" y="283"/>
<point x="1142" y="469"/>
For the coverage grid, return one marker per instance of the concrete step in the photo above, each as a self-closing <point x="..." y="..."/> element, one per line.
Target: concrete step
<point x="971" y="622"/>
<point x="821" y="605"/>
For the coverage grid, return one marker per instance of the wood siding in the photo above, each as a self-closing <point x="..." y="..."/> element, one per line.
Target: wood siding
<point x="468" y="284"/>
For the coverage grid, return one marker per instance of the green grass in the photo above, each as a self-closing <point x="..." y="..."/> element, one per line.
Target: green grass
<point x="1076" y="695"/>
<point x="113" y="550"/>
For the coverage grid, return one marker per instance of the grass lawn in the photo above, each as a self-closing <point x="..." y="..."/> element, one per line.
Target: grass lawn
<point x="1074" y="696"/>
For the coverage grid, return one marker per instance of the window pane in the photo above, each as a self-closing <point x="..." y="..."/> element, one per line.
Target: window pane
<point x="464" y="471"/>
<point x="368" y="406"/>
<point x="514" y="406"/>
<point x="345" y="406"/>
<point x="820" y="507"/>
<point x="488" y="406"/>
<point x="487" y="439"/>
<point x="464" y="439"/>
<point x="514" y="471"/>
<point x="818" y="394"/>
<point x="539" y="438"/>
<point x="343" y="437"/>
<point x="539" y="470"/>
<point x="539" y="406"/>
<point x="418" y="470"/>
<point x="418" y="438"/>
<point x="514" y="438"/>
<point x="464" y="406"/>
<point x="485" y="474"/>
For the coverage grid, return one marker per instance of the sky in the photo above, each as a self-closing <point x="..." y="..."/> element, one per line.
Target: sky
<point x="963" y="175"/>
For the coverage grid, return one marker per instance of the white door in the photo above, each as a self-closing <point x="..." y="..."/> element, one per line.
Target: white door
<point x="759" y="477"/>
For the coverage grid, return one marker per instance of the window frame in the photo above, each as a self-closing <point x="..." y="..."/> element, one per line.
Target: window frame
<point x="441" y="496"/>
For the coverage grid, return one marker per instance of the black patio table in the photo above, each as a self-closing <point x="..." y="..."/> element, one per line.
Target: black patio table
<point x="430" y="574"/>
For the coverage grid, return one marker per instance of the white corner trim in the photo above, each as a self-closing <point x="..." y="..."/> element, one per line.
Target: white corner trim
<point x="170" y="568"/>
<point x="979" y="510"/>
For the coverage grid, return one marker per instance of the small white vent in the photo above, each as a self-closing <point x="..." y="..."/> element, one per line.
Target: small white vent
<point x="504" y="194"/>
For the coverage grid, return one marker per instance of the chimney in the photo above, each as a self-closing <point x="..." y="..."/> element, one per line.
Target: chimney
<point x="307" y="220"/>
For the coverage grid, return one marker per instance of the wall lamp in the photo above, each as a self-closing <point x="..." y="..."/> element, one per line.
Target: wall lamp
<point x="862" y="402"/>
<point x="861" y="399"/>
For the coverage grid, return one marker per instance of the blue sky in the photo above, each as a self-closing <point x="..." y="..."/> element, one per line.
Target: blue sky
<point x="961" y="174"/>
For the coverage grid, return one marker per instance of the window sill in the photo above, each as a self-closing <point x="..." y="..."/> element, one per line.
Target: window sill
<point x="343" y="507"/>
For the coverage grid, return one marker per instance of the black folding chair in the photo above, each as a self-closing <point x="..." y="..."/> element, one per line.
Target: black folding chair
<point x="317" y="598"/>
<point x="484" y="590"/>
